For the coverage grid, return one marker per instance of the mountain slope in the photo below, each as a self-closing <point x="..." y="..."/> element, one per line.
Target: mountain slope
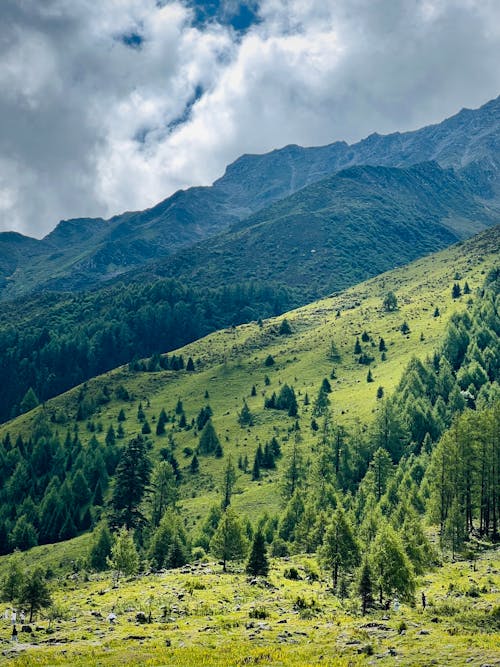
<point x="80" y="253"/>
<point x="231" y="362"/>
<point x="339" y="231"/>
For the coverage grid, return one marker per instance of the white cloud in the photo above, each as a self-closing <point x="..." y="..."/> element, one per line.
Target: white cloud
<point x="92" y="125"/>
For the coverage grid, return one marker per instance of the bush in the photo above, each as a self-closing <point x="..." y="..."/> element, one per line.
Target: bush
<point x="259" y="612"/>
<point x="292" y="573"/>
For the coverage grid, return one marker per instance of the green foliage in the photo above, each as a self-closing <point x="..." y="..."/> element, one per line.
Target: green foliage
<point x="392" y="569"/>
<point x="34" y="593"/>
<point x="390" y="302"/>
<point x="229" y="541"/>
<point x="130" y="484"/>
<point x="100" y="548"/>
<point x="340" y="550"/>
<point x="209" y="442"/>
<point x="124" y="558"/>
<point x="258" y="564"/>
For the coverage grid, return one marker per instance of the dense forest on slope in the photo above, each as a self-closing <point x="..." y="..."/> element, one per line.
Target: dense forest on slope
<point x="53" y="342"/>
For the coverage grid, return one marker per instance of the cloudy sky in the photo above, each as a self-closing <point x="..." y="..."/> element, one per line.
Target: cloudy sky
<point x="113" y="105"/>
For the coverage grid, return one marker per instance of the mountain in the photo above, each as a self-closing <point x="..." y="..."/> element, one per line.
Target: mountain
<point x="80" y="253"/>
<point x="338" y="231"/>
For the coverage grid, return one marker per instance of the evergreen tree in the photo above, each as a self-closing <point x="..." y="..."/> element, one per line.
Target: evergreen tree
<point x="160" y="424"/>
<point x="369" y="377"/>
<point x="228" y="541"/>
<point x="30" y="401"/>
<point x="258" y="564"/>
<point x="124" y="557"/>
<point x="228" y="480"/>
<point x="357" y="347"/>
<point x="392" y="568"/>
<point x="209" y="440"/>
<point x="164" y="491"/>
<point x="146" y="428"/>
<point x="190" y="365"/>
<point x="194" y="466"/>
<point x="34" y="593"/>
<point x="245" y="417"/>
<point x="294" y="472"/>
<point x="121" y="415"/>
<point x="285" y="328"/>
<point x="12" y="580"/>
<point x="23" y="535"/>
<point x="365" y="586"/>
<point x="340" y="551"/>
<point x="110" y="436"/>
<point x="100" y="548"/>
<point x="456" y="292"/>
<point x="130" y="484"/>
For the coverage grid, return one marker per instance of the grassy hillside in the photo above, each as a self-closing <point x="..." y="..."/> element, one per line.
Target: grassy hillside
<point x="230" y="362"/>
<point x="200" y="617"/>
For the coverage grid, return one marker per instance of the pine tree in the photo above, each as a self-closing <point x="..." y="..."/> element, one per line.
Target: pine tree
<point x="357" y="347"/>
<point x="228" y="541"/>
<point x="34" y="593"/>
<point x="130" y="484"/>
<point x="208" y="439"/>
<point x="110" y="436"/>
<point x="12" y="580"/>
<point x="228" y="480"/>
<point x="30" y="401"/>
<point x="369" y="377"/>
<point x="365" y="586"/>
<point x="340" y="551"/>
<point x="100" y="549"/>
<point x="121" y="415"/>
<point x="124" y="557"/>
<point x="392" y="568"/>
<point x="258" y="564"/>
<point x="160" y="424"/>
<point x="245" y="417"/>
<point x="190" y="365"/>
<point x="194" y="466"/>
<point x="164" y="491"/>
<point x="456" y="292"/>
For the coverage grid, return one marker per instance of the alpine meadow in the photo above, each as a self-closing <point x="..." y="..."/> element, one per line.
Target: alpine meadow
<point x="258" y="422"/>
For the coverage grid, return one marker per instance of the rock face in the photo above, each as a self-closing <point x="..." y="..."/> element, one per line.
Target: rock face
<point x="79" y="253"/>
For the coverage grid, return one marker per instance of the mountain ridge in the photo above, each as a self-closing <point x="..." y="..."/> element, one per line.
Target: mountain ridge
<point x="469" y="141"/>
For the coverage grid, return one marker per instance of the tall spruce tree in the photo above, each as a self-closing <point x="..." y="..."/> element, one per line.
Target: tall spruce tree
<point x="130" y="485"/>
<point x="258" y="564"/>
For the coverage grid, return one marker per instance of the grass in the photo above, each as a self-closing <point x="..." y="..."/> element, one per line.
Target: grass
<point x="200" y="616"/>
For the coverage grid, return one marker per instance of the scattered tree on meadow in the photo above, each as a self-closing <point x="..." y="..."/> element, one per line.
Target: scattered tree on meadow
<point x="229" y="541"/>
<point x="124" y="558"/>
<point x="258" y="564"/>
<point x="390" y="302"/>
<point x="130" y="484"/>
<point x="340" y="550"/>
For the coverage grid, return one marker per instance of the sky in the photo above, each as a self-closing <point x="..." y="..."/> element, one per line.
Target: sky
<point x="114" y="105"/>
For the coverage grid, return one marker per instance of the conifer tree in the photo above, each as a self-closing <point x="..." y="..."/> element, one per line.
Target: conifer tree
<point x="194" y="466"/>
<point x="124" y="558"/>
<point x="340" y="550"/>
<point x="100" y="549"/>
<point x="365" y="586"/>
<point x="209" y="440"/>
<point x="34" y="593"/>
<point x="228" y="480"/>
<point x="245" y="417"/>
<point x="164" y="491"/>
<point x="258" y="564"/>
<point x="12" y="580"/>
<point x="392" y="569"/>
<point x="130" y="484"/>
<point x="229" y="541"/>
<point x="30" y="401"/>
